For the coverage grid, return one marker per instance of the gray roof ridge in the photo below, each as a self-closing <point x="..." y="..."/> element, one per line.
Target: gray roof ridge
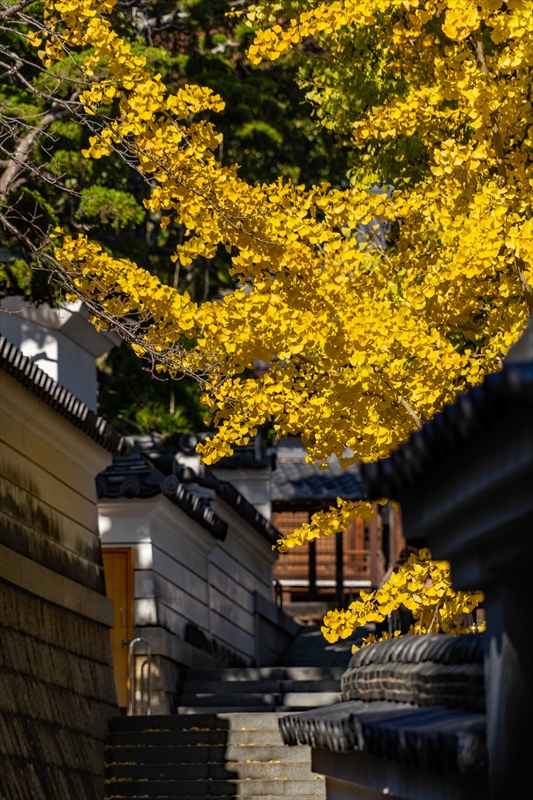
<point x="472" y="414"/>
<point x="136" y="477"/>
<point x="230" y="495"/>
<point x="60" y="399"/>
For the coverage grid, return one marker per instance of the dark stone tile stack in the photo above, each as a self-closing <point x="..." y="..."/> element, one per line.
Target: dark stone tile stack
<point x="429" y="670"/>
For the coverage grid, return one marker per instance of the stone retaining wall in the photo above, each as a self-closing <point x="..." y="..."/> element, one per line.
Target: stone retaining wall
<point x="57" y="690"/>
<point x="56" y="697"/>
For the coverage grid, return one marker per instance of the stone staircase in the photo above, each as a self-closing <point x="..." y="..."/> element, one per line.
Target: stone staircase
<point x="207" y="755"/>
<point x="260" y="689"/>
<point x="224" y="741"/>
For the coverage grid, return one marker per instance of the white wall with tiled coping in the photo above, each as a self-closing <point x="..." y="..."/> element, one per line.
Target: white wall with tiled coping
<point x="183" y="574"/>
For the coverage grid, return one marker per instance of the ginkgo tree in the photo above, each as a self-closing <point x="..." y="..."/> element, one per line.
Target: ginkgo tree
<point x="423" y="587"/>
<point x="372" y="308"/>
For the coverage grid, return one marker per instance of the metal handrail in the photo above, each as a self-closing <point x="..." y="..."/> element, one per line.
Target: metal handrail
<point x="131" y="646"/>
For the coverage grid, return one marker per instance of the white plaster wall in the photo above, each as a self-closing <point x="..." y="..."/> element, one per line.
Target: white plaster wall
<point x="47" y="489"/>
<point x="183" y="574"/>
<point x="254" y="484"/>
<point x="61" y="341"/>
<point x="35" y="342"/>
<point x="238" y="567"/>
<point x="76" y="370"/>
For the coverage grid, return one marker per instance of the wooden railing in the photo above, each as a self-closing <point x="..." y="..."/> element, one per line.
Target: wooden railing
<point x="352" y="556"/>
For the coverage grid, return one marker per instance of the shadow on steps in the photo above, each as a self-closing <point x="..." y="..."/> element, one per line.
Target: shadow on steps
<point x="206" y="755"/>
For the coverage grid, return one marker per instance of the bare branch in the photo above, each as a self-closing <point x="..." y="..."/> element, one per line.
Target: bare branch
<point x="416" y="419"/>
<point x="10" y="11"/>
<point x="494" y="119"/>
<point x="23" y="149"/>
<point x="176" y="358"/>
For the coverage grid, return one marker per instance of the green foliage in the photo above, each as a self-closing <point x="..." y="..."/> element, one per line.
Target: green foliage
<point x="136" y="402"/>
<point x="109" y="207"/>
<point x="18" y="277"/>
<point x="342" y="79"/>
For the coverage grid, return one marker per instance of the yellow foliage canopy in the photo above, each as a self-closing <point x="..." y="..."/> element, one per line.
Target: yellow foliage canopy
<point x="363" y="342"/>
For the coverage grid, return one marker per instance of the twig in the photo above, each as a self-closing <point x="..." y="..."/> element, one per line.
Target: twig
<point x="416" y="419"/>
<point x="10" y="11"/>
<point x="23" y="149"/>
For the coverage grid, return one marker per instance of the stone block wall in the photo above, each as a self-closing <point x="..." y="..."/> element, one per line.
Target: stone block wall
<point x="56" y="697"/>
<point x="57" y="691"/>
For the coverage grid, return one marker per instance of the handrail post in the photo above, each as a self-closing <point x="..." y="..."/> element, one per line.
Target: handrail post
<point x="278" y="593"/>
<point x="131" y="647"/>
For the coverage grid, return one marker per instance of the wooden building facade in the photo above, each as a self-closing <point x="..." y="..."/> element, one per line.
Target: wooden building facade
<point x="330" y="571"/>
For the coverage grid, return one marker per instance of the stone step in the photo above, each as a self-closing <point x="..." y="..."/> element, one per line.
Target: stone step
<point x="252" y="700"/>
<point x="193" y="710"/>
<point x="215" y="754"/>
<point x="316" y="796"/>
<point x="236" y="770"/>
<point x="193" y="738"/>
<point x="182" y="722"/>
<point x="264" y="700"/>
<point x="167" y="738"/>
<point x="268" y="753"/>
<point x="225" y="742"/>
<point x="314" y="788"/>
<point x="276" y="686"/>
<point x="214" y="709"/>
<point x="293" y="673"/>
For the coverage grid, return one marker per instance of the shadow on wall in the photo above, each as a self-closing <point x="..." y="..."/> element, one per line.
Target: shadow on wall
<point x="196" y="637"/>
<point x="31" y="528"/>
<point x="57" y="697"/>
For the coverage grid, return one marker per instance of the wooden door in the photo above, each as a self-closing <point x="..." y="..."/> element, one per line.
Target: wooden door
<point x="119" y="569"/>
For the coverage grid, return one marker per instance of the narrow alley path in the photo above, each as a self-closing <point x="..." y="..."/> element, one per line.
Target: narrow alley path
<point x="224" y="741"/>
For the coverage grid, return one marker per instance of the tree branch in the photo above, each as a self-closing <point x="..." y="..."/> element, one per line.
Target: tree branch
<point x="129" y="327"/>
<point x="414" y="416"/>
<point x="497" y="140"/>
<point x="10" y="11"/>
<point x="24" y="147"/>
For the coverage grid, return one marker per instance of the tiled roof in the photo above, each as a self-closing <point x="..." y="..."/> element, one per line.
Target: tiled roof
<point x="434" y="647"/>
<point x="233" y="498"/>
<point x="294" y="481"/>
<point x="425" y="709"/>
<point x="136" y="476"/>
<point x="474" y="414"/>
<point x="429" y="670"/>
<point x="435" y="738"/>
<point x="60" y="399"/>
